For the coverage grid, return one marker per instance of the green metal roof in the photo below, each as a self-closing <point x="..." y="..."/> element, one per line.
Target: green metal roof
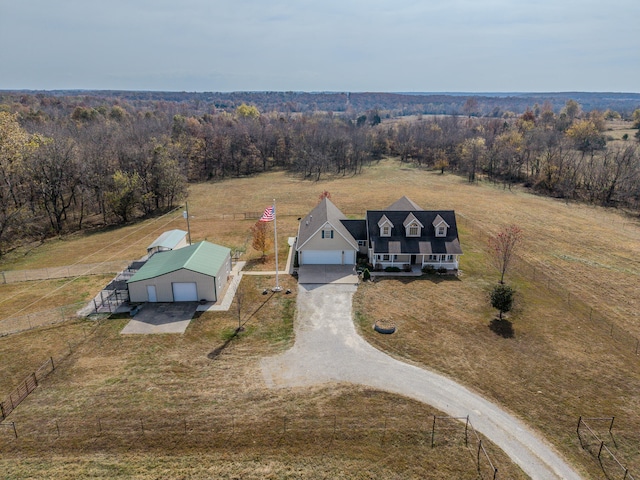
<point x="202" y="257"/>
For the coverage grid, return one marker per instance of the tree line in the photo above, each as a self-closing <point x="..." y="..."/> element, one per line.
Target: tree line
<point x="69" y="163"/>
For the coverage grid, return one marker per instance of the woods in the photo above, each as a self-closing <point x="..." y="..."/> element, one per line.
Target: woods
<point x="74" y="162"/>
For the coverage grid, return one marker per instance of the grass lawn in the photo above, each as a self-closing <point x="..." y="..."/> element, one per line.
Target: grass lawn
<point x="194" y="405"/>
<point x="576" y="262"/>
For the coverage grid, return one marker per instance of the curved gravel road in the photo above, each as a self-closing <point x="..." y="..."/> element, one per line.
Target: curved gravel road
<point x="328" y="349"/>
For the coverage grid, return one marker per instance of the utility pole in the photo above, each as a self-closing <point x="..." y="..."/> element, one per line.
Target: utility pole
<point x="185" y="215"/>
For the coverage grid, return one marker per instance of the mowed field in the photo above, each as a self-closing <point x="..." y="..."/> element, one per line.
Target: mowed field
<point x="577" y="281"/>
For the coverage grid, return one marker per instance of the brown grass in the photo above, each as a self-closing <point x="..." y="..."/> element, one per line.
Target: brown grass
<point x="576" y="260"/>
<point x="195" y="406"/>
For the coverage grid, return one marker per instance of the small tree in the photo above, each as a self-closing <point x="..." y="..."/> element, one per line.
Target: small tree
<point x="261" y="238"/>
<point x="502" y="298"/>
<point x="503" y="246"/>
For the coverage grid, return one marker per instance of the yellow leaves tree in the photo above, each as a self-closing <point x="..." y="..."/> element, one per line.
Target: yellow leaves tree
<point x="261" y="238"/>
<point x="247" y="111"/>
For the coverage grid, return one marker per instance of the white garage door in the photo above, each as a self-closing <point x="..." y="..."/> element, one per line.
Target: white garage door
<point x="185" y="292"/>
<point x="328" y="257"/>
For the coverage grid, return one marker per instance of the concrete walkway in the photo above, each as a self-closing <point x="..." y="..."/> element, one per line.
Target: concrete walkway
<point x="328" y="349"/>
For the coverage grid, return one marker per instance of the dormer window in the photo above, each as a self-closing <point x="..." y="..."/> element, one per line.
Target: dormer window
<point x="385" y="226"/>
<point x="440" y="226"/>
<point x="412" y="226"/>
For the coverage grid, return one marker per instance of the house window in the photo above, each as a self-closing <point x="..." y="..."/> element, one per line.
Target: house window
<point x="362" y="243"/>
<point x="385" y="258"/>
<point x="433" y="258"/>
<point x="414" y="231"/>
<point x="327" y="233"/>
<point x="386" y="231"/>
<point x="441" y="231"/>
<point x="449" y="258"/>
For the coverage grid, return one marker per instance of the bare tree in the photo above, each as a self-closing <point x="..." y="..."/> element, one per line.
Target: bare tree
<point x="503" y="246"/>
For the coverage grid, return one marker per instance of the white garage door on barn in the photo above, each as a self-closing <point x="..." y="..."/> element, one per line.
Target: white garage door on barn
<point x="328" y="257"/>
<point x="185" y="292"/>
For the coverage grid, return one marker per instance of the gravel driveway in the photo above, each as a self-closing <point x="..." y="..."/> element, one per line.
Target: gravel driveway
<point x="328" y="349"/>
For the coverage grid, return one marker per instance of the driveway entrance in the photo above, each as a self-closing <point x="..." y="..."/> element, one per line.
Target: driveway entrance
<point x="323" y="274"/>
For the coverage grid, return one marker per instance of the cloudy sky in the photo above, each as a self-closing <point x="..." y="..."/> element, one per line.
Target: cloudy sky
<point x="321" y="45"/>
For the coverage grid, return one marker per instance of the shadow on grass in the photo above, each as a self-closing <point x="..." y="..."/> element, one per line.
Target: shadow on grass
<point x="212" y="355"/>
<point x="502" y="327"/>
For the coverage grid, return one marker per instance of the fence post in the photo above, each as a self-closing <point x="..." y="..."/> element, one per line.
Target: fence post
<point x="600" y="450"/>
<point x="57" y="428"/>
<point x="611" y="426"/>
<point x="15" y="433"/>
<point x="478" y="456"/>
<point x="579" y="422"/>
<point x="495" y="473"/>
<point x="433" y="432"/>
<point x="52" y="366"/>
<point x="4" y="279"/>
<point x="35" y="380"/>
<point x="466" y="430"/>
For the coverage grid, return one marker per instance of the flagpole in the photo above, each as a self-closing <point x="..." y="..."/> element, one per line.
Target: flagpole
<point x="277" y="288"/>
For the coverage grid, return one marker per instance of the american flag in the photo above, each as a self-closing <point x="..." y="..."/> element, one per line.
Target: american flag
<point x="269" y="214"/>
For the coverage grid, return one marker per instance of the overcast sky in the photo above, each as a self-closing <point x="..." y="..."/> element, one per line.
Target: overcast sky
<point x="321" y="45"/>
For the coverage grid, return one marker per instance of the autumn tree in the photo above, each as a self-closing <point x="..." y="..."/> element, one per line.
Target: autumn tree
<point x="124" y="196"/>
<point x="502" y="248"/>
<point x="325" y="194"/>
<point x="261" y="238"/>
<point x="472" y="153"/>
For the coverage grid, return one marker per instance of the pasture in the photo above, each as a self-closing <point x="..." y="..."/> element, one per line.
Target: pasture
<point x="576" y="277"/>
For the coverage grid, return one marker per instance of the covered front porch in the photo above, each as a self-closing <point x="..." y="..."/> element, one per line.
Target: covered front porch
<point x="409" y="262"/>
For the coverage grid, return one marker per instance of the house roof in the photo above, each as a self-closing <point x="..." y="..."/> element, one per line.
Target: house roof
<point x="168" y="239"/>
<point x="201" y="257"/>
<point x="357" y="228"/>
<point x="426" y="243"/>
<point x="405" y="204"/>
<point x="325" y="212"/>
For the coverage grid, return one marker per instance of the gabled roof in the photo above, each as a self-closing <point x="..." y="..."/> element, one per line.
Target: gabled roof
<point x="426" y="243"/>
<point x="201" y="257"/>
<point x="325" y="212"/>
<point x="438" y="220"/>
<point x="384" y="220"/>
<point x="405" y="203"/>
<point x="168" y="239"/>
<point x="411" y="218"/>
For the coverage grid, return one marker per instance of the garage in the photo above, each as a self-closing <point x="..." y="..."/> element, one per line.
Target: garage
<point x="188" y="274"/>
<point x="185" y="292"/>
<point x="328" y="257"/>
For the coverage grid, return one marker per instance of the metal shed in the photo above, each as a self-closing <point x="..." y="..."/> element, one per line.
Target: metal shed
<point x="197" y="272"/>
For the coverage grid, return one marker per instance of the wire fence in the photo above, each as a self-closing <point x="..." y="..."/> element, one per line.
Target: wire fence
<point x="543" y="275"/>
<point x="591" y="442"/>
<point x="279" y="431"/>
<point x="42" y="318"/>
<point x="14" y="276"/>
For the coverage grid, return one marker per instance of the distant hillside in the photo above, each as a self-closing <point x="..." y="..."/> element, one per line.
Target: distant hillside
<point x="488" y="104"/>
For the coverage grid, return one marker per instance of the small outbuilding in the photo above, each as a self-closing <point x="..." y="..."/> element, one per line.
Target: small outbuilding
<point x="189" y="274"/>
<point x="171" y="240"/>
